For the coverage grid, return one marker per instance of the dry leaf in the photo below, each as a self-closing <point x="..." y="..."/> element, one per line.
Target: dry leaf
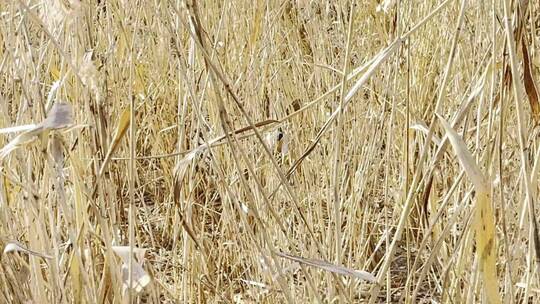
<point x="17" y="247"/>
<point x="181" y="167"/>
<point x="90" y="75"/>
<point x="271" y="139"/>
<point x="255" y="283"/>
<point x="20" y="140"/>
<point x="524" y="286"/>
<point x="371" y="69"/>
<point x="484" y="222"/>
<point x="17" y="129"/>
<point x="179" y="172"/>
<point x="377" y="60"/>
<point x="465" y="158"/>
<point x="530" y="85"/>
<point x="139" y="276"/>
<point x="119" y="132"/>
<point x="52" y="92"/>
<point x="60" y="116"/>
<point x="386" y="6"/>
<point x="422" y="127"/>
<point x="364" y="275"/>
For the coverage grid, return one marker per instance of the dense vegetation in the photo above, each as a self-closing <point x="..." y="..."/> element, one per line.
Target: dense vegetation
<point x="257" y="151"/>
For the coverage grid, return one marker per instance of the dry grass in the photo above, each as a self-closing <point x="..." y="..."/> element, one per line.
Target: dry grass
<point x="269" y="151"/>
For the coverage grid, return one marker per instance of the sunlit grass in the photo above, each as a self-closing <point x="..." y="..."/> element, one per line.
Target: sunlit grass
<point x="269" y="151"/>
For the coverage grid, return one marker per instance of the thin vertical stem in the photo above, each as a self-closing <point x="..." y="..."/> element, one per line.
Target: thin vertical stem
<point x="337" y="140"/>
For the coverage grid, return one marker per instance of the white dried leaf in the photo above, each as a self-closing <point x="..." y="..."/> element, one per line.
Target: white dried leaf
<point x="17" y="247"/>
<point x="364" y="275"/>
<point x="386" y="6"/>
<point x="123" y="253"/>
<point x="525" y="285"/>
<point x="16" y="129"/>
<point x="140" y="278"/>
<point x="60" y="116"/>
<point x="58" y="12"/>
<point x="20" y="140"/>
<point x="271" y="139"/>
<point x="255" y="283"/>
<point x="52" y="92"/>
<point x="422" y="127"/>
<point x="89" y="74"/>
<point x="285" y="144"/>
<point x="182" y="165"/>
<point x="465" y="158"/>
<point x="377" y="60"/>
<point x="244" y="207"/>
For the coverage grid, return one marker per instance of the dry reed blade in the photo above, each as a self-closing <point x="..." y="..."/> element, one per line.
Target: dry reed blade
<point x="378" y="60"/>
<point x="140" y="277"/>
<point x="119" y="132"/>
<point x="60" y="116"/>
<point x="18" y="247"/>
<point x="364" y="275"/>
<point x="530" y="85"/>
<point x="522" y="135"/>
<point x="484" y="222"/>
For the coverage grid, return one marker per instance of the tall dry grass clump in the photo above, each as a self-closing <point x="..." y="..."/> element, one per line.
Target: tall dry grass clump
<point x="269" y="151"/>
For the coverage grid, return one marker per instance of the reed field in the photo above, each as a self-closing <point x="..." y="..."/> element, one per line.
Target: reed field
<point x="269" y="151"/>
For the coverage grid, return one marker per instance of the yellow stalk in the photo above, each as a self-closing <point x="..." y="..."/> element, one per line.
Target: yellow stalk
<point x="484" y="222"/>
